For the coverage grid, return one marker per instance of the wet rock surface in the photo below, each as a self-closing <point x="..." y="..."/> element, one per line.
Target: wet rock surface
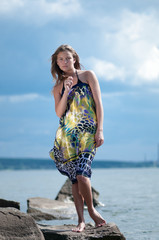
<point x="43" y="208"/>
<point x="7" y="203"/>
<point x="17" y="225"/>
<point x="107" y="232"/>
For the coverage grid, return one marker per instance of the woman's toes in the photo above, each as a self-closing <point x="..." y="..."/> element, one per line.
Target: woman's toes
<point x="101" y="224"/>
<point x="79" y="228"/>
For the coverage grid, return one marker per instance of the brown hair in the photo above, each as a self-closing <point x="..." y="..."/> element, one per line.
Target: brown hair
<point x="56" y="72"/>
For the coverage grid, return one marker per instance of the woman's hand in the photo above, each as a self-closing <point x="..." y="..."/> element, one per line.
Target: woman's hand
<point x="61" y="102"/>
<point x="99" y="138"/>
<point x="68" y="82"/>
<point x="95" y="88"/>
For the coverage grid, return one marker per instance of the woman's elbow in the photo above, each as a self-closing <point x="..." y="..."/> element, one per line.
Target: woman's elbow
<point x="58" y="113"/>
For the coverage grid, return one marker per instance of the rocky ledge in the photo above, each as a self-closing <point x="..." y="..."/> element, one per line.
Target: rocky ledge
<point x="17" y="225"/>
<point x="7" y="203"/>
<point x="107" y="232"/>
<point x="43" y="208"/>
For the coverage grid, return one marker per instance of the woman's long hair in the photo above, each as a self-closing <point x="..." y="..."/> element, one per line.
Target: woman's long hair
<point x="56" y="72"/>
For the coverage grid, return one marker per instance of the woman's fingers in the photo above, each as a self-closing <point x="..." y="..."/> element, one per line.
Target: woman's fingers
<point x="68" y="83"/>
<point x="99" y="140"/>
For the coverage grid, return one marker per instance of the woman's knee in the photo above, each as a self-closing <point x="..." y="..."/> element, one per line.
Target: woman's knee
<point x="82" y="179"/>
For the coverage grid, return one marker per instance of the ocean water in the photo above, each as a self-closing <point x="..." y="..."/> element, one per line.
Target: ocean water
<point x="130" y="196"/>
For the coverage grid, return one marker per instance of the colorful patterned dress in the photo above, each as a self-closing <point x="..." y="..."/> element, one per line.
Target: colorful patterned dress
<point x="74" y="146"/>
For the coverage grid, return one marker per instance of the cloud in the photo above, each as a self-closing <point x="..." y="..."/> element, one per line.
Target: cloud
<point x="21" y="98"/>
<point x="39" y="12"/>
<point x="130" y="43"/>
<point x="9" y="6"/>
<point x="149" y="69"/>
<point x="106" y="70"/>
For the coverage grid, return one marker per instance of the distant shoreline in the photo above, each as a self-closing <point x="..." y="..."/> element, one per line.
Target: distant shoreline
<point x="29" y="163"/>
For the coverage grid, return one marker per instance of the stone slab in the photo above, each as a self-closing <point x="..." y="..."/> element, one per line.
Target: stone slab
<point x="107" y="232"/>
<point x="48" y="209"/>
<point x="15" y="225"/>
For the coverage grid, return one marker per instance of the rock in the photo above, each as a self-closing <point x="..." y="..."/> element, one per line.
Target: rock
<point x="95" y="196"/>
<point x="6" y="203"/>
<point x="108" y="232"/>
<point x="43" y="208"/>
<point x="40" y="215"/>
<point x="65" y="194"/>
<point x="17" y="225"/>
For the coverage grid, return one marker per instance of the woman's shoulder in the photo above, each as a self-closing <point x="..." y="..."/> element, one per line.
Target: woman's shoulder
<point x="86" y="75"/>
<point x="57" y="88"/>
<point x="85" y="72"/>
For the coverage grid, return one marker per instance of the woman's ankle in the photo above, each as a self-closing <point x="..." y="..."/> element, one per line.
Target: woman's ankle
<point x="91" y="211"/>
<point x="81" y="220"/>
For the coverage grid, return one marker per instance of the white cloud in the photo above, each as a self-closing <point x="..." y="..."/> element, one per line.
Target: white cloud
<point x="106" y="70"/>
<point x="8" y="6"/>
<point x="131" y="40"/>
<point x="149" y="69"/>
<point x="39" y="12"/>
<point x="21" y="98"/>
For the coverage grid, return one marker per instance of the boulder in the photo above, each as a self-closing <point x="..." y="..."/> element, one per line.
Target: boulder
<point x="107" y="232"/>
<point x="65" y="194"/>
<point x="17" y="225"/>
<point x="7" y="203"/>
<point x="43" y="208"/>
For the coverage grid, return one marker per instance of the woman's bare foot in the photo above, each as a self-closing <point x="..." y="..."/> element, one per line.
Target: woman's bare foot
<point x="80" y="227"/>
<point x="99" y="221"/>
<point x="101" y="224"/>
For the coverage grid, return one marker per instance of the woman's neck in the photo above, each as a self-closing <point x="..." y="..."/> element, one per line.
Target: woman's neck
<point x="71" y="73"/>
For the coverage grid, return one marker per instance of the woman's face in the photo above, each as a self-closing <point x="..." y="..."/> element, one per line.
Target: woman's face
<point x="65" y="61"/>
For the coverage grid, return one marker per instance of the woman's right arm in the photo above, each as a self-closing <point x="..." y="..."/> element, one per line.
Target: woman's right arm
<point x="61" y="102"/>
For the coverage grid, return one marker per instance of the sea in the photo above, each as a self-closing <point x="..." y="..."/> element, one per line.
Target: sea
<point x="129" y="197"/>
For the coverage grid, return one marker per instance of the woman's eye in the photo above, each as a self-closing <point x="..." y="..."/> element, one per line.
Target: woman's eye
<point x="64" y="59"/>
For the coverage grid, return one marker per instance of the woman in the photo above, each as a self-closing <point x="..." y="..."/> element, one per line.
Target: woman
<point x="78" y="105"/>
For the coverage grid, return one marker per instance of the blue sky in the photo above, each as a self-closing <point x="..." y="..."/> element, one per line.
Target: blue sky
<point x="119" y="40"/>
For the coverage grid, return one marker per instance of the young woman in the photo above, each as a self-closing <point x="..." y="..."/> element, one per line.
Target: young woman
<point x="78" y="105"/>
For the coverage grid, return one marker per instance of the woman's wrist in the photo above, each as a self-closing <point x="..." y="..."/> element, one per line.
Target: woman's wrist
<point x="66" y="92"/>
<point x="99" y="129"/>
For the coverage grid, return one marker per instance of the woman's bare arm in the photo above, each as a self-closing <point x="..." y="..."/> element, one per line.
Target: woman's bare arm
<point x="95" y="88"/>
<point x="61" y="102"/>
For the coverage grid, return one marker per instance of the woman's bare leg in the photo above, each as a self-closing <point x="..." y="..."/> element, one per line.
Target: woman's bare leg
<point x="79" y="204"/>
<point x="85" y="190"/>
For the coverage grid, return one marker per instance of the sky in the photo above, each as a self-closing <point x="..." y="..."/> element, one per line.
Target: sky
<point x="118" y="40"/>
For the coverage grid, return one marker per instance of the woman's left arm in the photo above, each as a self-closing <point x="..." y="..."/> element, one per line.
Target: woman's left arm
<point x="95" y="88"/>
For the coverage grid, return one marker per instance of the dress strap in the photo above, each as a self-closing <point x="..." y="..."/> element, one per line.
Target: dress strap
<point x="63" y="89"/>
<point x="78" y="77"/>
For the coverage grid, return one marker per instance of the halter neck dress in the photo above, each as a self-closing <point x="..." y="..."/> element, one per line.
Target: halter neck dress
<point x="74" y="146"/>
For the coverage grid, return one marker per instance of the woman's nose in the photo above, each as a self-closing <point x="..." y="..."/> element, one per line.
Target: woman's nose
<point x="65" y="60"/>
